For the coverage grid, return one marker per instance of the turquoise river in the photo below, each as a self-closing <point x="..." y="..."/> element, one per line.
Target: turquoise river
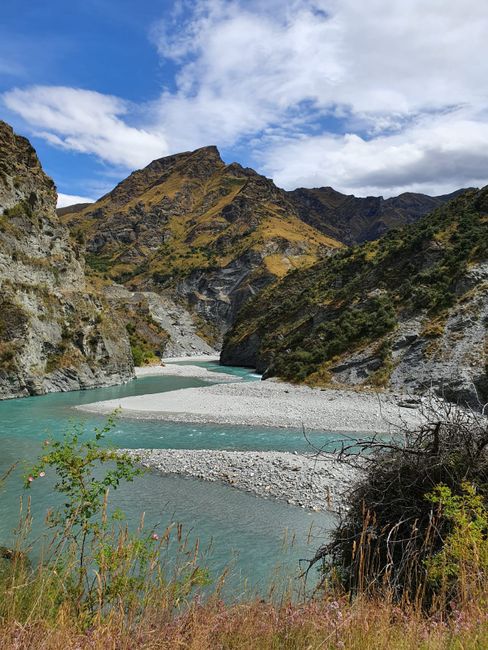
<point x="258" y="539"/>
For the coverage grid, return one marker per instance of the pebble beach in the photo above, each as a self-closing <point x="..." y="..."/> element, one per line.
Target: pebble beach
<point x="267" y="403"/>
<point x="315" y="483"/>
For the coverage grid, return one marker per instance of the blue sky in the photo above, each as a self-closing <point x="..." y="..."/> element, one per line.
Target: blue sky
<point x="96" y="45"/>
<point x="371" y="98"/>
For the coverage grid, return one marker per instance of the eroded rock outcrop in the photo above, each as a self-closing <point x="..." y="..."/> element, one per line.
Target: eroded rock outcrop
<point x="160" y="325"/>
<point x="56" y="330"/>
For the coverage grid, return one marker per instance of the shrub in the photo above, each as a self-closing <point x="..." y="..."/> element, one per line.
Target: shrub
<point x="400" y="524"/>
<point x="460" y="569"/>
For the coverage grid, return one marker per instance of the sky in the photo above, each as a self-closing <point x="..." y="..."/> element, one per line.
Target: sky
<point x="371" y="97"/>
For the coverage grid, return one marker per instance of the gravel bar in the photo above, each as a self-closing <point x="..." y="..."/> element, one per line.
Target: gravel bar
<point x="197" y="372"/>
<point x="300" y="480"/>
<point x="270" y="404"/>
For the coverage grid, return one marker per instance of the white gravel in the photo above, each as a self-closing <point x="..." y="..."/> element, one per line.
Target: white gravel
<point x="191" y="357"/>
<point x="313" y="483"/>
<point x="173" y="370"/>
<point x="269" y="404"/>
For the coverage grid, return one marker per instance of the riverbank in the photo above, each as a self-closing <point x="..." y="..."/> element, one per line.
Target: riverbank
<point x="192" y="357"/>
<point x="315" y="483"/>
<point x="173" y="370"/>
<point x="270" y="404"/>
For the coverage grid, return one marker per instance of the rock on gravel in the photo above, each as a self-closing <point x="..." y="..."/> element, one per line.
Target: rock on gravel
<point x="300" y="480"/>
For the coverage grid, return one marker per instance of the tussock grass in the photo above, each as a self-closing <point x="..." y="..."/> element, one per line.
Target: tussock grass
<point x="319" y="624"/>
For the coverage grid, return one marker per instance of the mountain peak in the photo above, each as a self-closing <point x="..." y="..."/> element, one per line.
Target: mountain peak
<point x="209" y="153"/>
<point x="209" y="150"/>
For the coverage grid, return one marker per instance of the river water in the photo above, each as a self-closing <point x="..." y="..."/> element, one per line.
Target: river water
<point x="258" y="539"/>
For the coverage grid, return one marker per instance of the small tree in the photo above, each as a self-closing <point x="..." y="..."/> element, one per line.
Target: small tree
<point x="102" y="563"/>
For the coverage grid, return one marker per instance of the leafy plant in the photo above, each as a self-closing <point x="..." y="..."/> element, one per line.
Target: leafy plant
<point x="85" y="471"/>
<point x="460" y="568"/>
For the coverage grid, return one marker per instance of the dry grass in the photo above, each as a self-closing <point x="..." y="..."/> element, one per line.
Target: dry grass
<point x="323" y="624"/>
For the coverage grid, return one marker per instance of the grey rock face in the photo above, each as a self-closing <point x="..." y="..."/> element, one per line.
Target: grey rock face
<point x="182" y="338"/>
<point x="56" y="332"/>
<point x="451" y="360"/>
<point x="218" y="295"/>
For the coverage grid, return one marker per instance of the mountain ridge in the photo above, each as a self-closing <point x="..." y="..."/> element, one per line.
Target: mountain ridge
<point x="408" y="311"/>
<point x="347" y="218"/>
<point x="354" y="220"/>
<point x="209" y="232"/>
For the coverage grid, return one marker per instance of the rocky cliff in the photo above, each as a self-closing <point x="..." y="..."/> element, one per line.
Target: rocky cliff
<point x="157" y="326"/>
<point x="354" y="220"/>
<point x="207" y="234"/>
<point x="408" y="311"/>
<point x="56" y="331"/>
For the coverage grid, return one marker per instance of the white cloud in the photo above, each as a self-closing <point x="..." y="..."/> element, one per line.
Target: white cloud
<point x="72" y="199"/>
<point x="379" y="96"/>
<point x="244" y="70"/>
<point x="381" y="60"/>
<point x="434" y="156"/>
<point x="87" y="122"/>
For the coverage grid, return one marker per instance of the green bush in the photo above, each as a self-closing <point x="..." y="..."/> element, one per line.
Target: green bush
<point x="141" y="356"/>
<point x="416" y="522"/>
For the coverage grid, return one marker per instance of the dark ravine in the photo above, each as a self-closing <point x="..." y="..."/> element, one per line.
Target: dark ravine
<point x="57" y="332"/>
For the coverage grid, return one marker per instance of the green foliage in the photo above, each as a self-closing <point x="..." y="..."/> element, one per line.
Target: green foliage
<point x="85" y="471"/>
<point x="140" y="355"/>
<point x="100" y="263"/>
<point x="462" y="563"/>
<point x="358" y="295"/>
<point x="142" y="352"/>
<point x="331" y="338"/>
<point x="74" y="461"/>
<point x="21" y="209"/>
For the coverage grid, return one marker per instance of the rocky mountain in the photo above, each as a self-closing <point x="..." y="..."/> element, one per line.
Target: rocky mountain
<point x="354" y="220"/>
<point x="407" y="311"/>
<point x="57" y="331"/>
<point x="76" y="207"/>
<point x="205" y="233"/>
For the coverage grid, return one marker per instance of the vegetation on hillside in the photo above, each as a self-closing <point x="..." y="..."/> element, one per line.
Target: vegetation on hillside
<point x="191" y="212"/>
<point x="354" y="298"/>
